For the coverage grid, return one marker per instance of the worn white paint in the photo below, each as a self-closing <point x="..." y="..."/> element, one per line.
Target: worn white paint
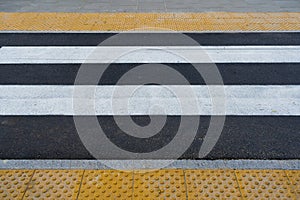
<point x="154" y="100"/>
<point x="150" y="54"/>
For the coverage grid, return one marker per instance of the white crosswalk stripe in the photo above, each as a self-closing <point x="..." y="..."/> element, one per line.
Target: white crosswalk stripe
<point x="144" y="54"/>
<point x="239" y="100"/>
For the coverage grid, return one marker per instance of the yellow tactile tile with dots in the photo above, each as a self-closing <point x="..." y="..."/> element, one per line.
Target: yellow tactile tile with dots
<point x="161" y="184"/>
<point x="212" y="184"/>
<point x="54" y="184"/>
<point x="13" y="183"/>
<point x="264" y="184"/>
<point x="106" y="184"/>
<point x="211" y="21"/>
<point x="294" y="178"/>
<point x="149" y="184"/>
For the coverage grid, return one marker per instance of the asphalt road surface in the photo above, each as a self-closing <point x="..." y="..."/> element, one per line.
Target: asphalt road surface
<point x="265" y="134"/>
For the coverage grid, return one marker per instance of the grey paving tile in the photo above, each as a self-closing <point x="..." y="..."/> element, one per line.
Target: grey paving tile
<point x="180" y="10"/>
<point x="13" y="5"/>
<point x="151" y="1"/>
<point x="151" y="6"/>
<point x="97" y="1"/>
<point x="255" y="2"/>
<point x="124" y="3"/>
<point x="43" y="1"/>
<point x="70" y="4"/>
<point x="289" y="10"/>
<point x="56" y="9"/>
<point x="151" y="10"/>
<point x="287" y="3"/>
<point x="182" y="7"/>
<point x="96" y="6"/>
<point x="28" y="9"/>
<point x="266" y="10"/>
<point x="124" y="8"/>
<point x="16" y="2"/>
<point x="177" y="5"/>
<point x="9" y="9"/>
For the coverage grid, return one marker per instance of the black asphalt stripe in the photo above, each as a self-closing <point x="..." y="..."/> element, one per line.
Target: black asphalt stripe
<point x="243" y="137"/>
<point x="232" y="74"/>
<point x="149" y="39"/>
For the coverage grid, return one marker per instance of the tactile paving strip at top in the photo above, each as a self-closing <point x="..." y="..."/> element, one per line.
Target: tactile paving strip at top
<point x="215" y="21"/>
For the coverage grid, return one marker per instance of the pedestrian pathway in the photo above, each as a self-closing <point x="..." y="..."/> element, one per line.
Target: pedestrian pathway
<point x="98" y="6"/>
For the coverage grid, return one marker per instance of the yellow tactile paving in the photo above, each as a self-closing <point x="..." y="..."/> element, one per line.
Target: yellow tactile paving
<point x="54" y="184"/>
<point x="141" y="184"/>
<point x="212" y="21"/>
<point x="106" y="184"/>
<point x="13" y="183"/>
<point x="161" y="184"/>
<point x="265" y="184"/>
<point x="294" y="178"/>
<point x="212" y="184"/>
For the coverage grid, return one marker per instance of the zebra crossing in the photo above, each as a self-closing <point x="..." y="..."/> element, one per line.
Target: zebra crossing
<point x="260" y="72"/>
